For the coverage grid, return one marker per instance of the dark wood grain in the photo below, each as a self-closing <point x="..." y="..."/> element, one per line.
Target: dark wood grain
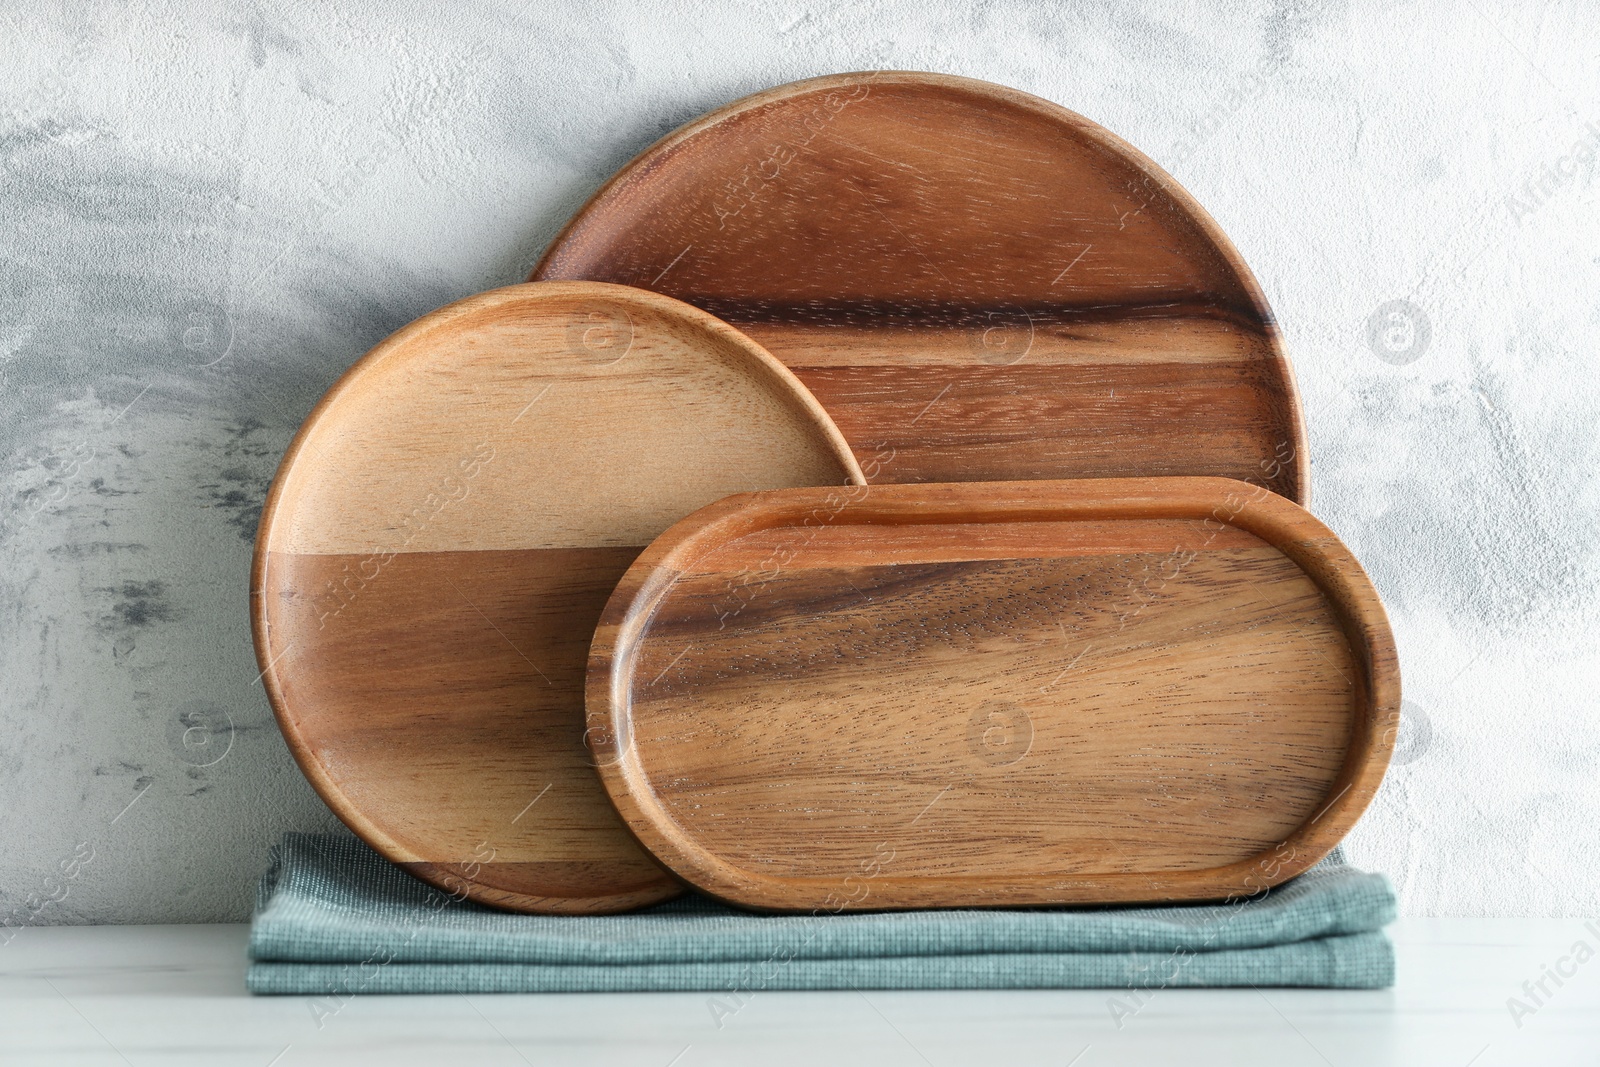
<point x="976" y="283"/>
<point x="993" y="694"/>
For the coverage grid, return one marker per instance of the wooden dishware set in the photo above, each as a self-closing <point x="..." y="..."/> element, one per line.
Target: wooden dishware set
<point x="886" y="493"/>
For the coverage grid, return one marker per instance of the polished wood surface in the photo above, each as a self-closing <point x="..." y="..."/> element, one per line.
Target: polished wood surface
<point x="439" y="543"/>
<point x="979" y="694"/>
<point x="976" y="283"/>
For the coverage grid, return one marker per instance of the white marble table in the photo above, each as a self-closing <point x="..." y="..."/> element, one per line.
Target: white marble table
<point x="175" y="994"/>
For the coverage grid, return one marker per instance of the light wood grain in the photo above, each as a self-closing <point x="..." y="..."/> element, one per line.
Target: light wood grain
<point x="989" y="694"/>
<point x="976" y="283"/>
<point x="438" y="545"/>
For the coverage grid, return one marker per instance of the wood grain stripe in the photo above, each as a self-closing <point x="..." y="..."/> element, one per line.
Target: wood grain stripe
<point x="824" y="545"/>
<point x="909" y="424"/>
<point x="1007" y="336"/>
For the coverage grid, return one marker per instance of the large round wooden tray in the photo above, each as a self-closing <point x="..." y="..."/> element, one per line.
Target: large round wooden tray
<point x="976" y="283"/>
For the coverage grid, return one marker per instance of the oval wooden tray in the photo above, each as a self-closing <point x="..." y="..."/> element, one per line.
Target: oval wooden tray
<point x="1025" y="693"/>
<point x="439" y="542"/>
<point x="976" y="283"/>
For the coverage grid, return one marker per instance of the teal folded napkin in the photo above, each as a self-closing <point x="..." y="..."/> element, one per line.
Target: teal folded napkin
<point x="334" y="918"/>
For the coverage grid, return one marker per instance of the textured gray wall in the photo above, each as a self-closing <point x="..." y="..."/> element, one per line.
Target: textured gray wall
<point x="206" y="216"/>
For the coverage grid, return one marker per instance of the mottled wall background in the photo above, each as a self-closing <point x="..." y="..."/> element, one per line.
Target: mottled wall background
<point x="206" y="215"/>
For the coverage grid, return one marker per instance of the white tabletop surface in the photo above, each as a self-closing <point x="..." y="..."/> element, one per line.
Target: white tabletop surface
<point x="175" y="994"/>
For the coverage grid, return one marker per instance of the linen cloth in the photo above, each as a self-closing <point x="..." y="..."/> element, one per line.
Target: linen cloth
<point x="334" y="917"/>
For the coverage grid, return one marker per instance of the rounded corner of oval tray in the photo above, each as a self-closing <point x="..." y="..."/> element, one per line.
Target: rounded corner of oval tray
<point x="1354" y="754"/>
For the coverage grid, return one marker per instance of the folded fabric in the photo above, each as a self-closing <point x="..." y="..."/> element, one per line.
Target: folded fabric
<point x="333" y="917"/>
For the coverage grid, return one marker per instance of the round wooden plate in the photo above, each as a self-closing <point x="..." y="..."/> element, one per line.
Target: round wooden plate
<point x="1015" y="694"/>
<point x="976" y="283"/>
<point x="437" y="548"/>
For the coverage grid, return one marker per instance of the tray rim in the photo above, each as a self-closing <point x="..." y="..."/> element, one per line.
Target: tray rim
<point x="1292" y="530"/>
<point x="441" y="875"/>
<point x="1299" y="464"/>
